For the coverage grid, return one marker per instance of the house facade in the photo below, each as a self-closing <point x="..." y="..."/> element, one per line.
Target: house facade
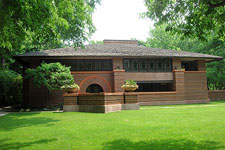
<point x="164" y="76"/>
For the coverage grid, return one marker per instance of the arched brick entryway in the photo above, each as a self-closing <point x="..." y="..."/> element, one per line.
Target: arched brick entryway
<point x="95" y="80"/>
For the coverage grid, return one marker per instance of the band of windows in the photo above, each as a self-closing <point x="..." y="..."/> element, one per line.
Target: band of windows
<point x="147" y="65"/>
<point x="86" y="64"/>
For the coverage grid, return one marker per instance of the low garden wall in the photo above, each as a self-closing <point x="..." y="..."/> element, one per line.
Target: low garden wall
<point x="100" y="102"/>
<point x="216" y="95"/>
<point x="160" y="98"/>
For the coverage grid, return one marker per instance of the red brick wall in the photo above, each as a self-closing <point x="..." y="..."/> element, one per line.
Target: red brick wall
<point x="196" y="86"/>
<point x="118" y="80"/>
<point x="216" y="95"/>
<point x="165" y="98"/>
<point x="159" y="98"/>
<point x="102" y="78"/>
<point x="189" y="86"/>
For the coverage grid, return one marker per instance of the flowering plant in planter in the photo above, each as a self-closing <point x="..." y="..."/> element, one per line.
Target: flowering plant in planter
<point x="70" y="88"/>
<point x="130" y="85"/>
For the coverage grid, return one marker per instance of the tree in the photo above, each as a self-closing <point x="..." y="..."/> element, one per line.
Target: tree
<point x="96" y="42"/>
<point x="11" y="84"/>
<point x="53" y="76"/>
<point x="191" y="18"/>
<point x="159" y="38"/>
<point x="43" y="24"/>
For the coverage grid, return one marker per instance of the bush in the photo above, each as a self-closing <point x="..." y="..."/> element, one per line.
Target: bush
<point x="52" y="75"/>
<point x="11" y="84"/>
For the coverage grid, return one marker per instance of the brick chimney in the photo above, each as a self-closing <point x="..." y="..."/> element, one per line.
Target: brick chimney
<point x="122" y="42"/>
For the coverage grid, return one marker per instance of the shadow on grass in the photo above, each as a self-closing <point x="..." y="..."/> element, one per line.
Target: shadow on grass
<point x="167" y="144"/>
<point x="19" y="120"/>
<point x="5" y="144"/>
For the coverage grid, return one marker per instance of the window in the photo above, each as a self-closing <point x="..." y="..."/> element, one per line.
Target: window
<point x="86" y="64"/>
<point x="151" y="65"/>
<point x="97" y="65"/>
<point x="143" y="65"/>
<point x="94" y="88"/>
<point x="168" y="65"/>
<point x="154" y="87"/>
<point x="190" y="65"/>
<point x="147" y="65"/>
<point x="106" y="65"/>
<point x="134" y="65"/>
<point x="127" y="64"/>
<point x="80" y="65"/>
<point x="159" y="65"/>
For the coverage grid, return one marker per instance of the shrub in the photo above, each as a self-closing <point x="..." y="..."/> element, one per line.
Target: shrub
<point x="52" y="75"/>
<point x="11" y="84"/>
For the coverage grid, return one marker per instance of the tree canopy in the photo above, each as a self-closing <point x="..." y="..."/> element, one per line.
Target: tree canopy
<point x="53" y="76"/>
<point x="191" y="18"/>
<point x="159" y="38"/>
<point x="34" y="25"/>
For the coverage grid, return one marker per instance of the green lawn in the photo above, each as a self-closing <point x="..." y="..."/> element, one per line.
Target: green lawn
<point x="197" y="127"/>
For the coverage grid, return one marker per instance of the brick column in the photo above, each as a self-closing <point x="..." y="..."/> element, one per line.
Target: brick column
<point x="179" y="83"/>
<point x="118" y="80"/>
<point x="176" y="63"/>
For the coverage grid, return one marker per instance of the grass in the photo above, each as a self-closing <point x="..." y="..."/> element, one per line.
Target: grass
<point x="198" y="127"/>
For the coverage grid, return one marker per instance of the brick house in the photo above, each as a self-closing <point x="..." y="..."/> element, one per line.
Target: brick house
<point x="103" y="68"/>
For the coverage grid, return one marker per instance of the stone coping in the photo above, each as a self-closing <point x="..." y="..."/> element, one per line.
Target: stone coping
<point x="156" y="93"/>
<point x="195" y="71"/>
<point x="119" y="70"/>
<point x="178" y="70"/>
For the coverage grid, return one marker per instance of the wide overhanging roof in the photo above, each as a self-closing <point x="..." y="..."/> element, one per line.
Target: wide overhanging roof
<point x="113" y="50"/>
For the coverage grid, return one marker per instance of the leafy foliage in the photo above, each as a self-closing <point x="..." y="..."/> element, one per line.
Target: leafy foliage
<point x="96" y="42"/>
<point x="52" y="75"/>
<point x="70" y="86"/>
<point x="11" y="85"/>
<point x="28" y="25"/>
<point x="130" y="83"/>
<point x="191" y="18"/>
<point x="159" y="38"/>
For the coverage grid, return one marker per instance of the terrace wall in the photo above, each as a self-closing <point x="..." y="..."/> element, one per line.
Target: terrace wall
<point x="100" y="102"/>
<point x="196" y="87"/>
<point x="217" y="95"/>
<point x="164" y="98"/>
<point x="190" y="87"/>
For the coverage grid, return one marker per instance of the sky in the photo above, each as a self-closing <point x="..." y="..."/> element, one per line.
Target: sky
<point x="120" y="19"/>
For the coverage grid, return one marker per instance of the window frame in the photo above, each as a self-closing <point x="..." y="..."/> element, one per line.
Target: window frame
<point x="74" y="64"/>
<point x="148" y="61"/>
<point x="131" y="66"/>
<point x="140" y="65"/>
<point x="154" y="69"/>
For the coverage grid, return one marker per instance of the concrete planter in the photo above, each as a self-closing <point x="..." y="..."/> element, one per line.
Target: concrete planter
<point x="71" y="90"/>
<point x="129" y="89"/>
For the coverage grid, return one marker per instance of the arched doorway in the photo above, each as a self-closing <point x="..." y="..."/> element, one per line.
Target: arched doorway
<point x="94" y="88"/>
